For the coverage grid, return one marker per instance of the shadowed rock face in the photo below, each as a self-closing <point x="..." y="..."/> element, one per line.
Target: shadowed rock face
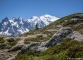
<point x="57" y="38"/>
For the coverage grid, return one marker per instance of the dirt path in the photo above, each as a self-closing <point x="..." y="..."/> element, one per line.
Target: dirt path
<point x="13" y="56"/>
<point x="20" y="42"/>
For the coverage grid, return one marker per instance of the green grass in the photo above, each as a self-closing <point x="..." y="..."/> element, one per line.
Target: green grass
<point x="11" y="41"/>
<point x="2" y="40"/>
<point x="28" y="40"/>
<point x="61" y="56"/>
<point x="2" y="46"/>
<point x="37" y="39"/>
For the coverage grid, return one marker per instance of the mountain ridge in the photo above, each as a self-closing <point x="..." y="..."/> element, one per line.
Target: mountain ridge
<point x="17" y="26"/>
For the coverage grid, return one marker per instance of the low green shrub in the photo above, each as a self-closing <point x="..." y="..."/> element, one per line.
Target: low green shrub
<point x="28" y="55"/>
<point x="23" y="57"/>
<point x="50" y="57"/>
<point x="76" y="51"/>
<point x="27" y="40"/>
<point x="17" y="39"/>
<point x="61" y="56"/>
<point x="11" y="42"/>
<point x="2" y="40"/>
<point x="2" y="46"/>
<point x="68" y="22"/>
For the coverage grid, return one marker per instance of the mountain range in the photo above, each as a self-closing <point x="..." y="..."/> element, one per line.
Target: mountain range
<point x="60" y="40"/>
<point x="17" y="26"/>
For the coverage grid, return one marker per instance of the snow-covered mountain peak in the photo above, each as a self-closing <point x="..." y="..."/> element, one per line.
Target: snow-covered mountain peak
<point x="41" y="20"/>
<point x="5" y="19"/>
<point x="13" y="18"/>
<point x="47" y="15"/>
<point x="34" y="17"/>
<point x="20" y="18"/>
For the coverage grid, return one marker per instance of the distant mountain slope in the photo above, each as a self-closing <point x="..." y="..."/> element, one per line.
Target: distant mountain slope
<point x="75" y="21"/>
<point x="17" y="26"/>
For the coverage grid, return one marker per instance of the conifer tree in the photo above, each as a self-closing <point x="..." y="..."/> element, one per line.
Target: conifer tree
<point x="36" y="27"/>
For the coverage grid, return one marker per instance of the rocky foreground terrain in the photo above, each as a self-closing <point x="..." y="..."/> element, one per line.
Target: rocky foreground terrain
<point x="59" y="40"/>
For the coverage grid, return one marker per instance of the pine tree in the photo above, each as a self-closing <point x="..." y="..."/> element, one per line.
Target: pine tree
<point x="36" y="27"/>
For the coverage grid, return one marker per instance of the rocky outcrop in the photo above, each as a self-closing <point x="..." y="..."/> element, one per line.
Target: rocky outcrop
<point x="76" y="36"/>
<point x="57" y="38"/>
<point x="34" y="46"/>
<point x="42" y="46"/>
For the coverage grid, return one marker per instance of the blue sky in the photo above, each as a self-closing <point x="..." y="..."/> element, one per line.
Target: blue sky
<point x="29" y="8"/>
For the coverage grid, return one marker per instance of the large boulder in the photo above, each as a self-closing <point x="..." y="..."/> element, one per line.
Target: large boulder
<point x="59" y="36"/>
